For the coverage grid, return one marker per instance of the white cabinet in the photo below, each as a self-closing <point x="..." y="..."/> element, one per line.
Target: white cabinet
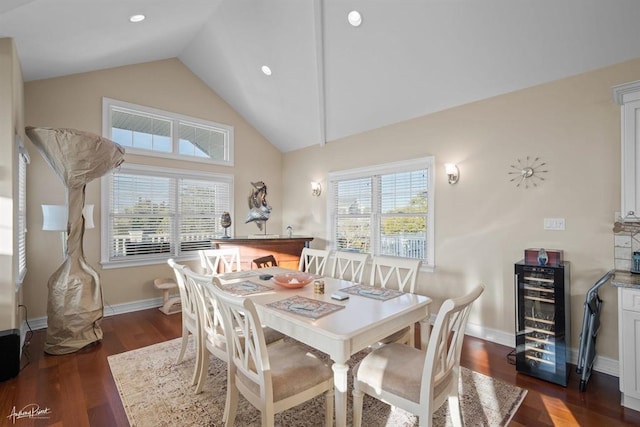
<point x="629" y="346"/>
<point x="628" y="96"/>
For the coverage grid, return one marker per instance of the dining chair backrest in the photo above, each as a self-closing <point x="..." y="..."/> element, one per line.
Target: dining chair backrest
<point x="265" y="261"/>
<point x="218" y="261"/>
<point x="383" y="372"/>
<point x="246" y="342"/>
<point x="313" y="260"/>
<point x="210" y="318"/>
<point x="388" y="271"/>
<point x="349" y="265"/>
<point x="442" y="363"/>
<point x="292" y="377"/>
<point x="190" y="314"/>
<point x="213" y="340"/>
<point x="188" y="298"/>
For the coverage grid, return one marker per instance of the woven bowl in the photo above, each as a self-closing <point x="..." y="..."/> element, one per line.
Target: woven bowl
<point x="292" y="280"/>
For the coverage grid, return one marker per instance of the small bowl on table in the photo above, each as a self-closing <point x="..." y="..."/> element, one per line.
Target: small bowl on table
<point x="293" y="280"/>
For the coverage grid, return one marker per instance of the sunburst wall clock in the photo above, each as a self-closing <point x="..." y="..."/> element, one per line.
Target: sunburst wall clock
<point x="528" y="172"/>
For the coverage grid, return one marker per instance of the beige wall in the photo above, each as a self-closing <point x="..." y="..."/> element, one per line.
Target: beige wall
<point x="76" y="102"/>
<point x="484" y="223"/>
<point x="11" y="123"/>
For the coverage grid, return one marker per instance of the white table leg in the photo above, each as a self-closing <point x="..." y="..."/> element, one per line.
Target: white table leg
<point x="340" y="372"/>
<point x="425" y="331"/>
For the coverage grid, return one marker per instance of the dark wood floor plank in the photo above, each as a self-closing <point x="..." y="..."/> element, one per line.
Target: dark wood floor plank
<point x="79" y="388"/>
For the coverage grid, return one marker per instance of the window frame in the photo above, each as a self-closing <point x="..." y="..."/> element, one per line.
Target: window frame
<point x="426" y="163"/>
<point x="172" y="173"/>
<point x="109" y="104"/>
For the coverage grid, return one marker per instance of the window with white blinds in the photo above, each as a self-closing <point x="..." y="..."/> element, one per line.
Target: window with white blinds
<point x="157" y="213"/>
<point x="384" y="210"/>
<point x="152" y="132"/>
<point x="23" y="161"/>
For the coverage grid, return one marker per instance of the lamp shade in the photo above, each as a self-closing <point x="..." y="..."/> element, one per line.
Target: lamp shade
<point x="54" y="217"/>
<point x="87" y="212"/>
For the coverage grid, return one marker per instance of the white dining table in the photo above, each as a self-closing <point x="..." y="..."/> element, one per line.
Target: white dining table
<point x="362" y="322"/>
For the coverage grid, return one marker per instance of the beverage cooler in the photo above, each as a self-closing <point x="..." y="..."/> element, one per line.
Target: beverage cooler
<point x="543" y="315"/>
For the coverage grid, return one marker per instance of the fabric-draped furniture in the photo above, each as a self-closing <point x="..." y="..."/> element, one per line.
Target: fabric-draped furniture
<point x="75" y="306"/>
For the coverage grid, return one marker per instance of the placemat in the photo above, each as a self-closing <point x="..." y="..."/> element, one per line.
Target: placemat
<point x="306" y="306"/>
<point x="245" y="288"/>
<point x="239" y="274"/>
<point x="372" y="292"/>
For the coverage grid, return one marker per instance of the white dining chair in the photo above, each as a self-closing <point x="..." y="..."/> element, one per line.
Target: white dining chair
<point x="313" y="260"/>
<point x="272" y="378"/>
<point x="190" y="316"/>
<point x="398" y="273"/>
<point x="349" y="265"/>
<point x="218" y="261"/>
<point x="414" y="380"/>
<point x="211" y="324"/>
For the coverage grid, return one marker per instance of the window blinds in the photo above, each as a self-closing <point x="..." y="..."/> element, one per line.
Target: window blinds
<point x="382" y="214"/>
<point x="159" y="214"/>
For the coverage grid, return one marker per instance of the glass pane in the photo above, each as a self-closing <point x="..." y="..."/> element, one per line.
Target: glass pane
<point x="142" y="215"/>
<point x="145" y="132"/>
<point x="404" y="236"/>
<point x="353" y="234"/>
<point x="202" y="141"/>
<point x="353" y="197"/>
<point x="403" y="225"/>
<point x="404" y="192"/>
<point x="201" y="206"/>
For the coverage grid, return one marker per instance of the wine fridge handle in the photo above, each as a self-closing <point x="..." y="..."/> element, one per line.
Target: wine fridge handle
<point x="517" y="302"/>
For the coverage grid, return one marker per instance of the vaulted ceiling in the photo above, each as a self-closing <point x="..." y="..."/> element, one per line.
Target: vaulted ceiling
<point x="329" y="79"/>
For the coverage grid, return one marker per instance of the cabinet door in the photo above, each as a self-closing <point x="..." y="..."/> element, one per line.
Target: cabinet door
<point x="630" y="342"/>
<point x="631" y="357"/>
<point x="631" y="159"/>
<point x="628" y="96"/>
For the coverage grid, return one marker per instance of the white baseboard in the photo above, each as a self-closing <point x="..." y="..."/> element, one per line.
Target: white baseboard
<point x="605" y="365"/>
<point x="109" y="310"/>
<point x="602" y="364"/>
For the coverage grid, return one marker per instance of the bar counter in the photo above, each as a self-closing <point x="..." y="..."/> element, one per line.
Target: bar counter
<point x="285" y="249"/>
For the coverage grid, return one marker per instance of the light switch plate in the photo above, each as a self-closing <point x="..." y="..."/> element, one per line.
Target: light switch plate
<point x="554" y="223"/>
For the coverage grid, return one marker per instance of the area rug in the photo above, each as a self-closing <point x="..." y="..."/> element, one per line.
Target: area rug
<point x="157" y="392"/>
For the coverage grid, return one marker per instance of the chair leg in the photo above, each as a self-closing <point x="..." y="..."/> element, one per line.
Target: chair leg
<point x="232" y="402"/>
<point x="358" y="398"/>
<point x="185" y="339"/>
<point x="227" y="402"/>
<point x="202" y="369"/>
<point x="198" y="365"/>
<point x="328" y="405"/>
<point x="268" y="417"/>
<point x="454" y="410"/>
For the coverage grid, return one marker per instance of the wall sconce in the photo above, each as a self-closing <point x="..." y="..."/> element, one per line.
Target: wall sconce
<point x="55" y="218"/>
<point x="452" y="172"/>
<point x="316" y="188"/>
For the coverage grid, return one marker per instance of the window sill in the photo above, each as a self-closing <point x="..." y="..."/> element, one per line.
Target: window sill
<point x="108" y="265"/>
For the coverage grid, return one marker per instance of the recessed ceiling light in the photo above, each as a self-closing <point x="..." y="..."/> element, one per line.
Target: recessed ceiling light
<point x="354" y="18"/>
<point x="137" y="18"/>
<point x="266" y="70"/>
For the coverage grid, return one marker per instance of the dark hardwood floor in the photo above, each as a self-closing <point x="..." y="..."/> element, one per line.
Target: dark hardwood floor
<point x="78" y="389"/>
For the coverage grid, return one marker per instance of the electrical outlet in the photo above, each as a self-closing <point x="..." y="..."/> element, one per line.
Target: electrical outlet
<point x="554" y="223"/>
